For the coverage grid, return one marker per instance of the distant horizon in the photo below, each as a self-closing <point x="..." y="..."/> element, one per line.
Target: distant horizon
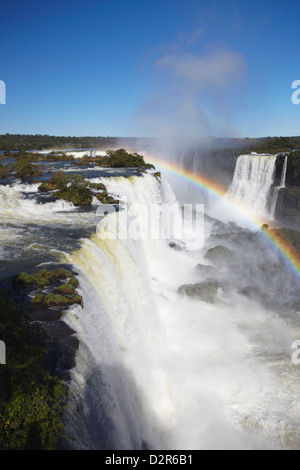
<point x="152" y="137"/>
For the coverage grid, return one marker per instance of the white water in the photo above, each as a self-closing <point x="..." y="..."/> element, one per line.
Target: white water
<point x="90" y="153"/>
<point x="171" y="371"/>
<point x="14" y="203"/>
<point x="252" y="180"/>
<point x="278" y="188"/>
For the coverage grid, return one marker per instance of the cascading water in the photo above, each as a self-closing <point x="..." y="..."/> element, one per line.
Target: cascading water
<point x="252" y="180"/>
<point x="278" y="188"/>
<point x="195" y="163"/>
<point x="158" y="370"/>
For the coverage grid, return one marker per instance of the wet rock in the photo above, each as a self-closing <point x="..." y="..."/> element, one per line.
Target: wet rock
<point x="220" y="255"/>
<point x="205" y="291"/>
<point x="177" y="245"/>
<point x="206" y="270"/>
<point x="251" y="293"/>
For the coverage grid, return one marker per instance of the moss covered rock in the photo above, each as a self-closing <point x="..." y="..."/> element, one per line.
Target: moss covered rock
<point x="38" y="299"/>
<point x="58" y="300"/>
<point x="25" y="278"/>
<point x="74" y="281"/>
<point x="79" y="196"/>
<point x="66" y="289"/>
<point x="98" y="186"/>
<point x="62" y="273"/>
<point x="42" y="282"/>
<point x="44" y="274"/>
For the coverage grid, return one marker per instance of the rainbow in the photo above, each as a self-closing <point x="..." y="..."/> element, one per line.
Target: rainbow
<point x="281" y="245"/>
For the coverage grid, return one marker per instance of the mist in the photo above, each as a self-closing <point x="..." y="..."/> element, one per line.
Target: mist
<point x="194" y="94"/>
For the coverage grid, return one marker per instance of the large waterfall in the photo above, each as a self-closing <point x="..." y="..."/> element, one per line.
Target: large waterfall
<point x="252" y="180"/>
<point x="159" y="370"/>
<point x="181" y="345"/>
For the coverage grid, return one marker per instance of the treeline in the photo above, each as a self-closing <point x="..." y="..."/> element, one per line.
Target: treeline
<point x="11" y="142"/>
<point x="270" y="144"/>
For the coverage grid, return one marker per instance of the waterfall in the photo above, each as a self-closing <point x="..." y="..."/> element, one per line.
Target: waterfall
<point x="181" y="160"/>
<point x="195" y="164"/>
<point x="278" y="188"/>
<point x="252" y="180"/>
<point x="160" y="371"/>
<point x="119" y="331"/>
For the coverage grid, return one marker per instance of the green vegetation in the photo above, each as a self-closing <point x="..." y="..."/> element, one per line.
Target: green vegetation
<point x="60" y="295"/>
<point x="77" y="192"/>
<point x="105" y="199"/>
<point x="11" y="142"/>
<point x="4" y="172"/>
<point x="116" y="159"/>
<point x="76" y="189"/>
<point x="31" y="401"/>
<point x="38" y="299"/>
<point x="67" y="289"/>
<point x="48" y="300"/>
<point x="74" y="281"/>
<point x="62" y="273"/>
<point x="25" y="278"/>
<point x="42" y="276"/>
<point x="120" y="158"/>
<point x="23" y="142"/>
<point x="61" y="300"/>
<point x="24" y="169"/>
<point x="99" y="186"/>
<point x="56" y="181"/>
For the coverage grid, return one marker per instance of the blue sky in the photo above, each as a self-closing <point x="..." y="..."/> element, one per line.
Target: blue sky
<point x="149" y="67"/>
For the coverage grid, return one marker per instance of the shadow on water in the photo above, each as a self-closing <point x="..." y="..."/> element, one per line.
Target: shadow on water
<point x="107" y="414"/>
